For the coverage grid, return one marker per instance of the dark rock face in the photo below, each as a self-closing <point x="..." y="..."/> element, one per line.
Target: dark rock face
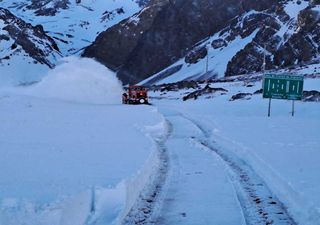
<point x="311" y="96"/>
<point x="296" y="48"/>
<point x="48" y="7"/>
<point x="165" y="32"/>
<point x="142" y="2"/>
<point x="207" y="90"/>
<point x="178" y="86"/>
<point x="251" y="57"/>
<point x="32" y="39"/>
<point x="301" y="46"/>
<point x="193" y="56"/>
<point x="43" y="7"/>
<point x="239" y="96"/>
<point x="117" y="45"/>
<point x="219" y="43"/>
<point x="110" y="15"/>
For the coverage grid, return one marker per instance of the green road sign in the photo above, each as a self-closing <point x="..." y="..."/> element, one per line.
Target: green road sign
<point x="283" y="86"/>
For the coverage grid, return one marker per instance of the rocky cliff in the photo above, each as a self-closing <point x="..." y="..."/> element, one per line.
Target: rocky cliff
<point x="286" y="41"/>
<point x="20" y="37"/>
<point x="240" y="33"/>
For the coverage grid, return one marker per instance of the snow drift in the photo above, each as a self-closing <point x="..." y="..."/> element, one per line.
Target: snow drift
<point x="80" y="80"/>
<point x="68" y="164"/>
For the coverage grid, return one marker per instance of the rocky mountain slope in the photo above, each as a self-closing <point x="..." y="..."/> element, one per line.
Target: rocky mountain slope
<point x="69" y="26"/>
<point x="173" y="38"/>
<point x="21" y="37"/>
<point x="154" y="41"/>
<point x="24" y="46"/>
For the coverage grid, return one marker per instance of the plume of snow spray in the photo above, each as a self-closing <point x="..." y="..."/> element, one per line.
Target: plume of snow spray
<point x="80" y="80"/>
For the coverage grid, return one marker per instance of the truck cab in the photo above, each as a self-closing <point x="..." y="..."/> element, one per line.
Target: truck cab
<point x="135" y="95"/>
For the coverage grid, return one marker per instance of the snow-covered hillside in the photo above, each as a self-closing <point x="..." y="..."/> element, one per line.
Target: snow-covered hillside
<point x="68" y="26"/>
<point x="26" y="52"/>
<point x="75" y="25"/>
<point x="239" y="48"/>
<point x="287" y="32"/>
<point x="212" y="66"/>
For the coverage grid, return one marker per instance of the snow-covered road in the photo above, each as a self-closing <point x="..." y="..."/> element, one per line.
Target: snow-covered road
<point x="209" y="186"/>
<point x="199" y="190"/>
<point x="271" y="162"/>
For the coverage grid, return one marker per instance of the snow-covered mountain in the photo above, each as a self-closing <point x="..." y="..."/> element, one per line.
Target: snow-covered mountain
<point x="178" y="34"/>
<point x="151" y="40"/>
<point x="24" y="48"/>
<point x="289" y="37"/>
<point x="68" y="25"/>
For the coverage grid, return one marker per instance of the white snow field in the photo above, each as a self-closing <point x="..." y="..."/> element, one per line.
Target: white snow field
<point x="282" y="151"/>
<point x="71" y="154"/>
<point x="67" y="156"/>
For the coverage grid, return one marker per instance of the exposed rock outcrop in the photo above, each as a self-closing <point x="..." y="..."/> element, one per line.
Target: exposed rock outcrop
<point x="243" y="96"/>
<point x="163" y="32"/>
<point x="284" y="42"/>
<point x="48" y="7"/>
<point x="193" y="56"/>
<point x="32" y="39"/>
<point x="311" y="96"/>
<point x="207" y="90"/>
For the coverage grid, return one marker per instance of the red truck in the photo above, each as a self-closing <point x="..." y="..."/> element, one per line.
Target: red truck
<point x="135" y="95"/>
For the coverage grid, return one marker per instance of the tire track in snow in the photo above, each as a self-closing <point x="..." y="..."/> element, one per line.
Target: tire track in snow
<point x="145" y="209"/>
<point x="260" y="206"/>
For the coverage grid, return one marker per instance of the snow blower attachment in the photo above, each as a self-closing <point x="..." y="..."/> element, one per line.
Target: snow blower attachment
<point x="135" y="95"/>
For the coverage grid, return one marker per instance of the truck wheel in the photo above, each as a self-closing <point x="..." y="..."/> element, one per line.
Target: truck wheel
<point x="142" y="101"/>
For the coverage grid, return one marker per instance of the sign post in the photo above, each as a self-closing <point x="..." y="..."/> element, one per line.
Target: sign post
<point x="269" y="109"/>
<point x="284" y="86"/>
<point x="292" y="108"/>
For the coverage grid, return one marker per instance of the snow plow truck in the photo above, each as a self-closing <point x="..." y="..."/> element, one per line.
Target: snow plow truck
<point x="135" y="95"/>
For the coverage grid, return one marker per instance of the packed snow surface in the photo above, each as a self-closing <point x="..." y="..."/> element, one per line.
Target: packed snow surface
<point x="199" y="190"/>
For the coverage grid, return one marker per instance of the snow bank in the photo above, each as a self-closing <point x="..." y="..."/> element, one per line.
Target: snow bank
<point x="96" y="206"/>
<point x="80" y="80"/>
<point x="144" y="178"/>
